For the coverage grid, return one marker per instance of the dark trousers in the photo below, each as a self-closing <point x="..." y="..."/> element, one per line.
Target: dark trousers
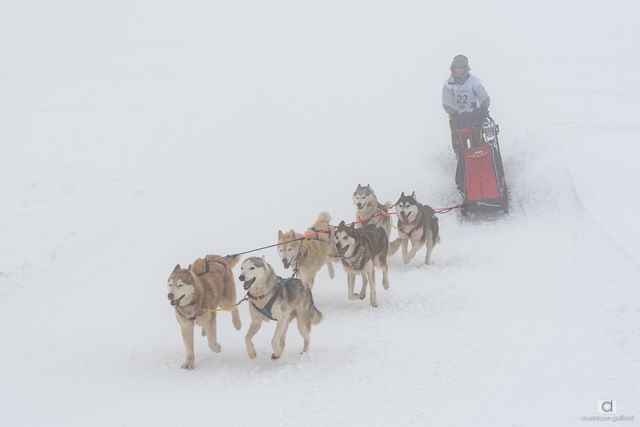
<point x="459" y="152"/>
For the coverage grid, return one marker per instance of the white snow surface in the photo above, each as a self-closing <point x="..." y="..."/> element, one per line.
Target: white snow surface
<point x="139" y="134"/>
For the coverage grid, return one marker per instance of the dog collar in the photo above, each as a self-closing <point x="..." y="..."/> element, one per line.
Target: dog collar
<point x="185" y="309"/>
<point x="258" y="297"/>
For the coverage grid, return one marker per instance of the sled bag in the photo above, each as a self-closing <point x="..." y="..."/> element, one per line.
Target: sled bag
<point x="480" y="179"/>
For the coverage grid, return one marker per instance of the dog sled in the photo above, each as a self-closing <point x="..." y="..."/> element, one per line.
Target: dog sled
<point x="480" y="174"/>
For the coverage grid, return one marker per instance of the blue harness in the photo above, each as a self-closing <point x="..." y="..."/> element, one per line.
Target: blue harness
<point x="266" y="310"/>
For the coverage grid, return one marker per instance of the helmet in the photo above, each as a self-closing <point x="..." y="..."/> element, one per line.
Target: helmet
<point x="460" y="61"/>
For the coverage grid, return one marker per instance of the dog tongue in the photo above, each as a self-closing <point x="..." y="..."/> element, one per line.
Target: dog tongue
<point x="248" y="284"/>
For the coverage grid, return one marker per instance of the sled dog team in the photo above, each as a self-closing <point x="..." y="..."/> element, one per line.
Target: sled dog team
<point x="208" y="286"/>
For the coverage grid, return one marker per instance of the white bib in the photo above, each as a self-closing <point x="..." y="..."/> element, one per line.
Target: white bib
<point x="464" y="96"/>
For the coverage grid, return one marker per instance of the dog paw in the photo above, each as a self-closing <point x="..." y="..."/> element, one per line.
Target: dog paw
<point x="216" y="348"/>
<point x="374" y="304"/>
<point x="274" y="356"/>
<point x="252" y="354"/>
<point x="354" y="296"/>
<point x="385" y="285"/>
<point x="188" y="364"/>
<point x="362" y="295"/>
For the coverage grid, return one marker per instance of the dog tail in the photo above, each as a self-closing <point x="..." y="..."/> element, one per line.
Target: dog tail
<point x="394" y="246"/>
<point x="229" y="289"/>
<point x="323" y="220"/>
<point x="332" y="272"/>
<point x="432" y="222"/>
<point x="435" y="229"/>
<point x="232" y="261"/>
<point x="316" y="315"/>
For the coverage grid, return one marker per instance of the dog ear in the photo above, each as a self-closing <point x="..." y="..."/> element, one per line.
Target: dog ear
<point x="341" y="224"/>
<point x="402" y="195"/>
<point x="189" y="268"/>
<point x="280" y="235"/>
<point x="292" y="232"/>
<point x="359" y="187"/>
<point x="368" y="186"/>
<point x="176" y="268"/>
<point x="413" y="194"/>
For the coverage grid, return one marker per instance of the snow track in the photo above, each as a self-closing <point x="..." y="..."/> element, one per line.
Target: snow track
<point x="210" y="128"/>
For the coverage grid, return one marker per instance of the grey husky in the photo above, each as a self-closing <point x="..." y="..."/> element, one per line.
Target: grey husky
<point x="368" y="206"/>
<point x="274" y="298"/>
<point x="416" y="223"/>
<point x="361" y="250"/>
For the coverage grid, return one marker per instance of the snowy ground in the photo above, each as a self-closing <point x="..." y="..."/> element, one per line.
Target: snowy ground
<point x="138" y="134"/>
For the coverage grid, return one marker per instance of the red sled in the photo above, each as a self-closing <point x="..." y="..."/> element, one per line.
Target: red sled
<point x="480" y="177"/>
<point x="483" y="185"/>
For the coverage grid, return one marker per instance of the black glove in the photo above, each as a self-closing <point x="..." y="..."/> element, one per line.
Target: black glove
<point x="481" y="111"/>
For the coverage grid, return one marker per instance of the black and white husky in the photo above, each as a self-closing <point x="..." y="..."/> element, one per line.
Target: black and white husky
<point x="416" y="223"/>
<point x="362" y="249"/>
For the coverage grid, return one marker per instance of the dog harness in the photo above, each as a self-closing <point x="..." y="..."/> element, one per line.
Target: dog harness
<point x="212" y="258"/>
<point x="266" y="310"/>
<point x="363" y="259"/>
<point x="415" y="221"/>
<point x="380" y="208"/>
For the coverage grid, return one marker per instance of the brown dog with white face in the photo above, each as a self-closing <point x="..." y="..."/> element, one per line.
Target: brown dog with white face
<point x="309" y="255"/>
<point x="204" y="286"/>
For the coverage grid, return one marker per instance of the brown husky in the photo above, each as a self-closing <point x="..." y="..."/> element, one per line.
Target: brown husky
<point x="205" y="285"/>
<point x="309" y="255"/>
